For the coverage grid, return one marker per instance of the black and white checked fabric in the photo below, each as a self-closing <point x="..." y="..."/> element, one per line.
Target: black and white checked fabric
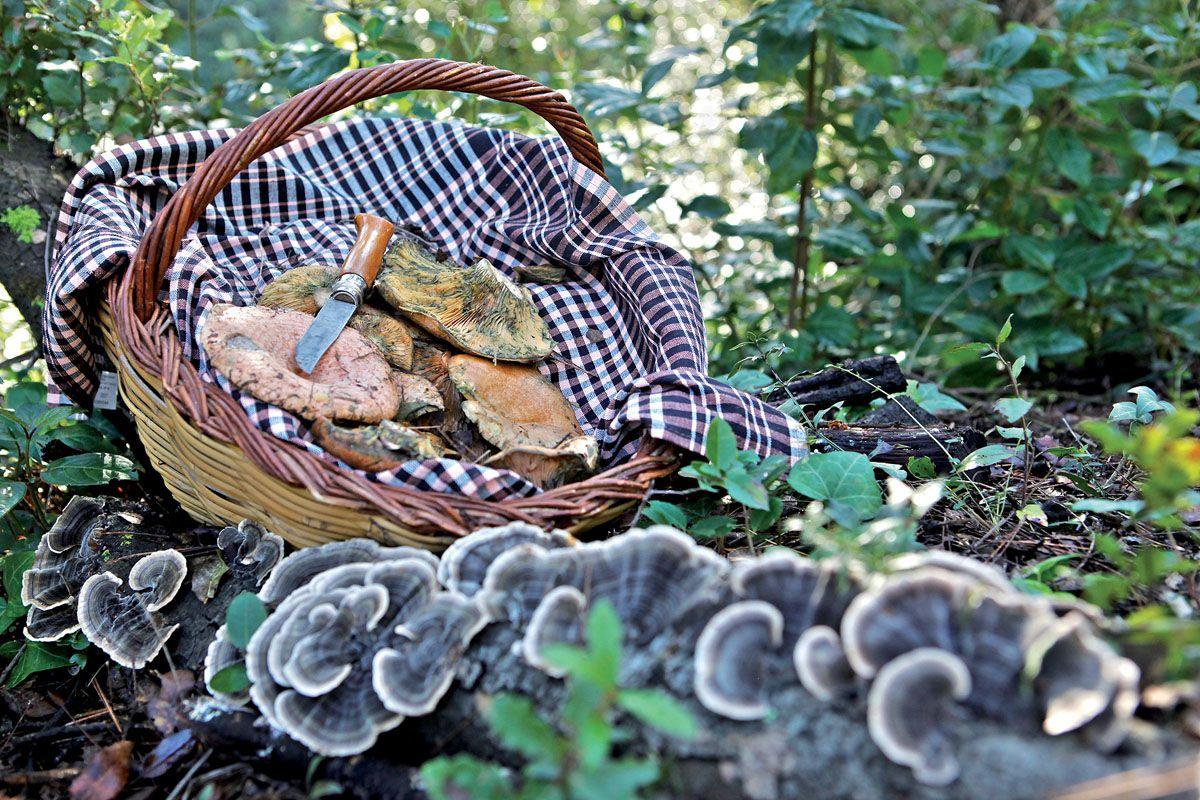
<point x="628" y="311"/>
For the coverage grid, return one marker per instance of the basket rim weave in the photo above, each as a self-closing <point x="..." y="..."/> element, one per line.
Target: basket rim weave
<point x="148" y="336"/>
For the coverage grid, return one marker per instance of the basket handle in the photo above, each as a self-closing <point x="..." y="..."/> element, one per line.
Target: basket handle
<point x="164" y="237"/>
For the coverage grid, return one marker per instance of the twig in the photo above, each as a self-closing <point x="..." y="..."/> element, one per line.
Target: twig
<point x="803" y="241"/>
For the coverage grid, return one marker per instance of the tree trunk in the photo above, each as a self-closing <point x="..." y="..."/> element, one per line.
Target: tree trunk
<point x="30" y="174"/>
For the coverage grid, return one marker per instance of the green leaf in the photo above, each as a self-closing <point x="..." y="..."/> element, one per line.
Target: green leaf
<point x="866" y="118"/>
<point x="461" y="776"/>
<point x="1005" y="331"/>
<point x="12" y="569"/>
<point x="11" y="493"/>
<point x="663" y="513"/>
<point x="931" y="62"/>
<point x="89" y="469"/>
<point x="987" y="456"/>
<point x="27" y="401"/>
<point x="1009" y="47"/>
<point x="709" y="206"/>
<point x="1069" y="155"/>
<point x="1041" y="78"/>
<point x="712" y="527"/>
<point x="1018" y="282"/>
<point x="838" y="477"/>
<point x="761" y="520"/>
<point x="230" y="679"/>
<point x="1012" y="408"/>
<point x="720" y="445"/>
<point x="929" y="397"/>
<point x="614" y="780"/>
<point x="746" y="490"/>
<point x="659" y="710"/>
<point x="1157" y="147"/>
<point x="36" y="657"/>
<point x="243" y="617"/>
<point x="604" y="642"/>
<point x="1009" y="93"/>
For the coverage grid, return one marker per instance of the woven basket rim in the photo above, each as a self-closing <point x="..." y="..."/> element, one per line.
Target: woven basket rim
<point x="147" y="334"/>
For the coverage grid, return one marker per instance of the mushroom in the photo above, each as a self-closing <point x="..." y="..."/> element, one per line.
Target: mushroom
<point x="732" y="659"/>
<point x="254" y="348"/>
<point x="1080" y="681"/>
<point x="527" y="417"/>
<point x="352" y="640"/>
<point x="806" y="592"/>
<point x="298" y="569"/>
<point x="477" y="309"/>
<point x="465" y="562"/>
<point x="907" y="611"/>
<point x="123" y="623"/>
<point x="651" y="576"/>
<point x="375" y="448"/>
<point x="306" y="289"/>
<point x="417" y="396"/>
<point x="952" y="562"/>
<point x="64" y="556"/>
<point x="413" y="674"/>
<point x="250" y="549"/>
<point x="910" y="712"/>
<point x="821" y="663"/>
<point x="50" y="625"/>
<point x="558" y="619"/>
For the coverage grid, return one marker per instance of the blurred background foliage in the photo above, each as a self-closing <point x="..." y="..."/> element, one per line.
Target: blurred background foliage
<point x="846" y="177"/>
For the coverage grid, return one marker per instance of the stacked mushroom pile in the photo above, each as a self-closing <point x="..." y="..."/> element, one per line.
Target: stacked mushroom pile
<point x="75" y="582"/>
<point x="452" y="373"/>
<point x="934" y="641"/>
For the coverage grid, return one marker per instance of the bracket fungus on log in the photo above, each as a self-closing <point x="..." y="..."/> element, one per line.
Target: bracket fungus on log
<point x="910" y="710"/>
<point x="250" y="548"/>
<point x="465" y="562"/>
<point x="358" y="636"/>
<point x="305" y="289"/>
<point x="477" y="308"/>
<point x="526" y="417"/>
<point x="254" y="348"/>
<point x="733" y="659"/>
<point x="124" y="624"/>
<point x="64" y="559"/>
<point x="821" y="664"/>
<point x="650" y="576"/>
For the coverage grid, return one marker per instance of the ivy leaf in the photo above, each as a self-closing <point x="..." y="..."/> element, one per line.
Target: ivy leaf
<point x="1157" y="147"/>
<point x="838" y="477"/>
<point x="243" y="617"/>
<point x="89" y="469"/>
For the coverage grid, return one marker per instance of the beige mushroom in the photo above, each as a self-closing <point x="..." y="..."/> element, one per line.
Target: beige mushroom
<point x="526" y="417"/>
<point x="379" y="447"/>
<point x="255" y="349"/>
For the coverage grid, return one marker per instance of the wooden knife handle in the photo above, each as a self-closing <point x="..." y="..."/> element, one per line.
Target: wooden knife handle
<point x="366" y="256"/>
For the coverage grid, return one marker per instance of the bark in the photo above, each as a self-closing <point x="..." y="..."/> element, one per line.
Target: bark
<point x="30" y="174"/>
<point x="853" y="383"/>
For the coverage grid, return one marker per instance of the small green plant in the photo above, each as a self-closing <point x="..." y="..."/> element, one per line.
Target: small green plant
<point x="23" y="221"/>
<point x="1169" y="456"/>
<point x="1141" y="410"/>
<point x="570" y="756"/>
<point x="1144" y="568"/>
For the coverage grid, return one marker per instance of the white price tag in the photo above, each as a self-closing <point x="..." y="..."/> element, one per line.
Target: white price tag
<point x="106" y="392"/>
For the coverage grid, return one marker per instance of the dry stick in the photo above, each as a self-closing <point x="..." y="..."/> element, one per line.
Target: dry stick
<point x="803" y="241"/>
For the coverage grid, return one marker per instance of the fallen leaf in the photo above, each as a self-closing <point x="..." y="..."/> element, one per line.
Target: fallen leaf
<point x="207" y="572"/>
<point x="168" y="753"/>
<point x="163" y="708"/>
<point x="105" y="775"/>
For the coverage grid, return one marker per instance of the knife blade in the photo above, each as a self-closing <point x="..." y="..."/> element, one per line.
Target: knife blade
<point x="347" y="293"/>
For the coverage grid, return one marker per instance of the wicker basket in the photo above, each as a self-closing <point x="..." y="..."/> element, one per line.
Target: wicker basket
<point x="223" y="469"/>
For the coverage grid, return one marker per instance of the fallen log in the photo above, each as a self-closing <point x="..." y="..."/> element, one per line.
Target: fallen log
<point x="853" y="383"/>
<point x="896" y="444"/>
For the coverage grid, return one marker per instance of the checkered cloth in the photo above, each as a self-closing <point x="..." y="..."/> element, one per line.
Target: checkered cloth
<point x="628" y="310"/>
